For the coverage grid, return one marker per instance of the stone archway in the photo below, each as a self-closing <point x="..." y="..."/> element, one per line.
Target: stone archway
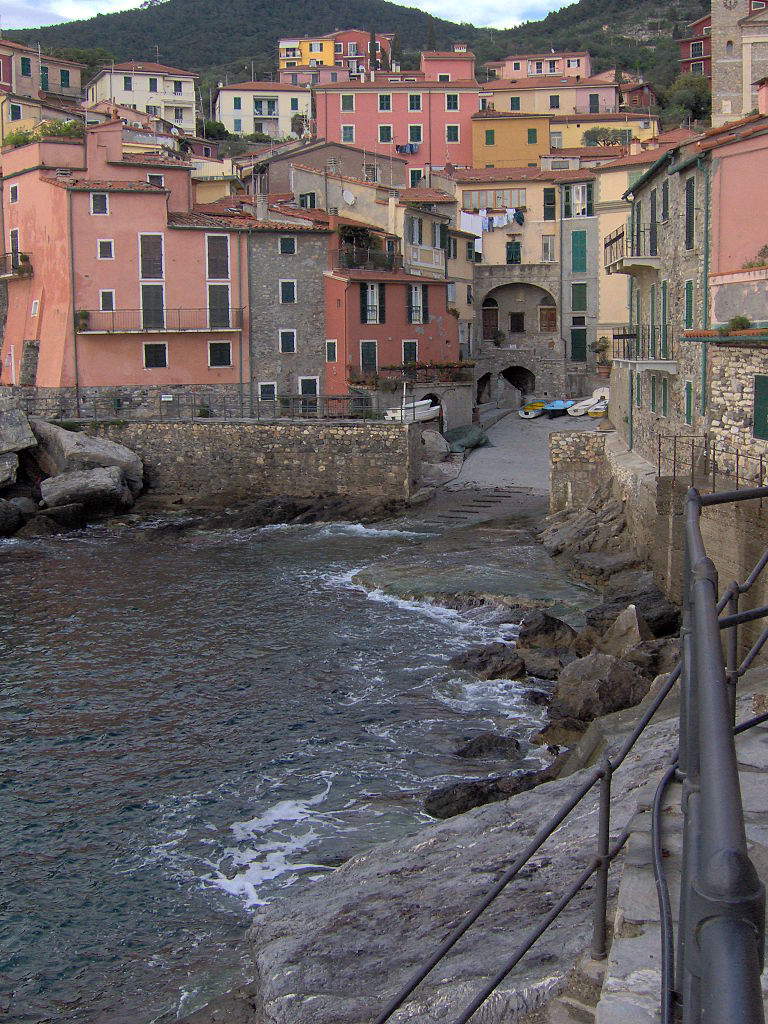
<point x="522" y="379"/>
<point x="484" y="388"/>
<point x="518" y="313"/>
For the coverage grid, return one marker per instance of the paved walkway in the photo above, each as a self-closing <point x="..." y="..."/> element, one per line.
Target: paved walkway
<point x="519" y="456"/>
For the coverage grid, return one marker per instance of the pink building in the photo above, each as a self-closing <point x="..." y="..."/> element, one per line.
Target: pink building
<point x="306" y="75"/>
<point x="351" y="50"/>
<point x="458" y="65"/>
<point x="536" y="65"/>
<point x="426" y="122"/>
<point x="121" y="283"/>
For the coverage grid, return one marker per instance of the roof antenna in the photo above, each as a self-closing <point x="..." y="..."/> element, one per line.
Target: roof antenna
<point x="157" y="53"/>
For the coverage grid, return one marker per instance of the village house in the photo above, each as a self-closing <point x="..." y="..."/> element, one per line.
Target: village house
<point x="346" y="50"/>
<point x="26" y="72"/>
<point x="153" y="88"/>
<point x="269" y="108"/>
<point x="570" y="64"/>
<point x="552" y="94"/>
<point x="696" y="48"/>
<point x="739" y="57"/>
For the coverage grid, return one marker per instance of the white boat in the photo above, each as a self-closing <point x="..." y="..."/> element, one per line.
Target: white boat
<point x="531" y="410"/>
<point x="599" y="409"/>
<point x="413" y="412"/>
<point x="583" y="407"/>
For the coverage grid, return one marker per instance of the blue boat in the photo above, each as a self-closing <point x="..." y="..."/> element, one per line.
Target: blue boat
<point x="559" y="407"/>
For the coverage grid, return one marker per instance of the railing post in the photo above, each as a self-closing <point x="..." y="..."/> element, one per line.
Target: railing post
<point x="693" y="459"/>
<point x="674" y="457"/>
<point x="600" y="907"/>
<point x="733" y="650"/>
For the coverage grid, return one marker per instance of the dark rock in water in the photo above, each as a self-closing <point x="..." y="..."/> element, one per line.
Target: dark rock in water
<point x="662" y="616"/>
<point x="544" y="663"/>
<point x="490" y="744"/>
<point x="538" y="697"/>
<point x="597" y="685"/>
<point x="26" y="506"/>
<point x="494" y="661"/>
<point x="600" y="565"/>
<point x="39" y="526"/>
<point x="538" y="629"/>
<point x="324" y="509"/>
<point x="10" y="518"/>
<point x="71" y="517"/>
<point x="459" y="797"/>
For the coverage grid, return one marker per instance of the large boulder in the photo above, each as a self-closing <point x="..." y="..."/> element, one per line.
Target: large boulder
<point x="661" y="615"/>
<point x="9" y="466"/>
<point x="538" y="629"/>
<point x="596" y="685"/>
<point x="600" y="565"/>
<point x="64" y="451"/>
<point x="99" y="491"/>
<point x="490" y="745"/>
<point x="458" y="797"/>
<point x="15" y="432"/>
<point x="10" y="518"/>
<point x="628" y="630"/>
<point x="494" y="661"/>
<point x="656" y="657"/>
<point x="544" y="662"/>
<point x="434" y="447"/>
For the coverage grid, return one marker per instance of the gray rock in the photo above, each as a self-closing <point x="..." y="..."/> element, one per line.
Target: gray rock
<point x="628" y="630"/>
<point x="538" y="629"/>
<point x="10" y="518"/>
<point x="460" y="797"/>
<point x="39" y="526"/>
<point x="71" y="517"/>
<point x="630" y="582"/>
<point x="544" y="663"/>
<point x="9" y="467"/>
<point x="15" y="432"/>
<point x="64" y="451"/>
<point x="26" y="506"/>
<point x="494" y="661"/>
<point x="600" y="565"/>
<point x="662" y="616"/>
<point x="490" y="745"/>
<point x="596" y="685"/>
<point x="98" y="490"/>
<point x="434" y="447"/>
<point x="656" y="657"/>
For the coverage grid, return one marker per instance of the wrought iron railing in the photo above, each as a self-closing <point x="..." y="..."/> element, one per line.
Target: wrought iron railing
<point x="15" y="264"/>
<point x="722" y="909"/>
<point x="644" y="342"/>
<point x="703" y="463"/>
<point x="355" y="257"/>
<point x="137" y="321"/>
<point x="625" y="242"/>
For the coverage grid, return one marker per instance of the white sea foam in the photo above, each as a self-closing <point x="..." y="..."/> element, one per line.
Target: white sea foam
<point x="346" y="530"/>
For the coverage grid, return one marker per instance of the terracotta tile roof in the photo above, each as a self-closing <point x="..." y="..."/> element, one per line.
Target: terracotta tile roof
<point x="154" y="160"/>
<point x="261" y="87"/>
<point x="148" y="67"/>
<point x="647" y="156"/>
<point x="608" y="152"/>
<point x="676" y="135"/>
<point x="479" y="175"/>
<point x="542" y="82"/>
<point x="447" y="53"/>
<point x="425" y="195"/>
<point x="624" y="116"/>
<point x="238" y="222"/>
<point x="107" y="186"/>
<point x="547" y="56"/>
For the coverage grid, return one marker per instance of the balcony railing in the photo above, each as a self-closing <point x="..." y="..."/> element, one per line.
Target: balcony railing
<point x="353" y="257"/>
<point x="413" y="374"/>
<point x="621" y="244"/>
<point x="170" y="321"/>
<point x="15" y="264"/>
<point x="602" y="108"/>
<point x="644" y="342"/>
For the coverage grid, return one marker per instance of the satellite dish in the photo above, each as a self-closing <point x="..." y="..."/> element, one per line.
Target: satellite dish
<point x="348" y="197"/>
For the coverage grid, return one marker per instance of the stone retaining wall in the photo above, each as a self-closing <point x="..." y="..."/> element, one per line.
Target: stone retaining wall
<point x="574" y="461"/>
<point x="247" y="459"/>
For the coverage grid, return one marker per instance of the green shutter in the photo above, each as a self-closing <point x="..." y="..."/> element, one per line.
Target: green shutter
<point x="533" y="136"/>
<point x="579" y="252"/>
<point x="514" y="252"/>
<point x="760" y="411"/>
<point x="664" y="354"/>
<point x="579" y="344"/>
<point x="664" y="396"/>
<point x="690" y="212"/>
<point x="688" y="304"/>
<point x="490" y="137"/>
<point x="567" y="201"/>
<point x="578" y="298"/>
<point x="653" y="394"/>
<point x="514" y="103"/>
<point x="688" y="402"/>
<point x="590" y="199"/>
<point x="638" y="390"/>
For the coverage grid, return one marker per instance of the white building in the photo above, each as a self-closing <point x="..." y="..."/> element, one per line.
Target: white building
<point x="272" y="108"/>
<point x="153" y="88"/>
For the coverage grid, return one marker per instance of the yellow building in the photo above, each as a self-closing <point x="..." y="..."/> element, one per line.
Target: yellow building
<point x="309" y="51"/>
<point x="22" y="113"/>
<point x="509" y="140"/>
<point x="552" y="94"/>
<point x="567" y="130"/>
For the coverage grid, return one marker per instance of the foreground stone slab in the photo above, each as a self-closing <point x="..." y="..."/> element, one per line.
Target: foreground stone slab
<point x="97" y="490"/>
<point x="15" y="432"/>
<point x="62" y="451"/>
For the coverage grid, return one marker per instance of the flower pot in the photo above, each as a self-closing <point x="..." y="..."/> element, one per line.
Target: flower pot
<point x="603" y="370"/>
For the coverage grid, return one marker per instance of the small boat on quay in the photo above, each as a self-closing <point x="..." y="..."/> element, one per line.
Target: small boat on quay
<point x="531" y="410"/>
<point x="413" y="412"/>
<point x="599" y="409"/>
<point x="582" y="408"/>
<point x="559" y="407"/>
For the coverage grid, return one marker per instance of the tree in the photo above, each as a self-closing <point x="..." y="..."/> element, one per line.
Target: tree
<point x="604" y="137"/>
<point x="691" y="93"/>
<point x="431" y="41"/>
<point x="214" y="130"/>
<point x="372" y="51"/>
<point x="397" y="50"/>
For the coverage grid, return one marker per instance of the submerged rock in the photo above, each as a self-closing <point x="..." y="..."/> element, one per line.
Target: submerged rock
<point x="494" y="661"/>
<point x="459" y="797"/>
<point x="490" y="744"/>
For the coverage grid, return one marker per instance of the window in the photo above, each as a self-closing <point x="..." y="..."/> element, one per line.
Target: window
<point x="653" y="393"/>
<point x="178" y="114"/>
<point x="533" y="136"/>
<point x="99" y="203"/>
<point x="539" y="67"/>
<point x="338" y="47"/>
<point x="443" y="78"/>
<point x="451" y="101"/>
<point x="516" y="65"/>
<point x="579" y="252"/>
<point x="35" y="307"/>
<point x="553" y="67"/>
<point x="288" y="341"/>
<point x="579" y="297"/>
<point x="490" y="137"/>
<point x="105" y="249"/>
<point x="451" y="133"/>
<point x="549" y="203"/>
<point x="26" y="67"/>
<point x="219" y="353"/>
<point x="665" y="201"/>
<point x="451" y="292"/>
<point x="414" y="133"/>
<point x="664" y="396"/>
<point x="237" y="103"/>
<point x="514" y="102"/>
<point x="547" y="248"/>
<point x="418" y="308"/>
<point x="688" y="402"/>
<point x="237" y="124"/>
<point x="578" y="200"/>
<point x="177" y="88"/>
<point x="294" y="102"/>
<point x="153" y="85"/>
<point x="470" y="299"/>
<point x="44" y="78"/>
<point x="688" y="305"/>
<point x="554" y="102"/>
<point x="155" y="356"/>
<point x="307" y="200"/>
<point x="410" y="352"/>
<point x="351" y="49"/>
<point x="267" y="392"/>
<point x="414" y="230"/>
<point x="698" y="69"/>
<point x="330" y="351"/>
<point x="690" y="212"/>
<point x="13" y="194"/>
<point x="347" y="133"/>
<point x="218" y="305"/>
<point x="697" y="49"/>
<point x="372" y="302"/>
<point x="287" y="291"/>
<point x="107" y="300"/>
<point x="574" y="62"/>
<point x="217" y="251"/>
<point x="368" y="356"/>
<point x="150" y="257"/>
<point x="385" y="101"/>
<point x="287" y="245"/>
<point x="385" y="133"/>
<point x="347" y="102"/>
<point x="471" y="252"/>
<point x="156" y="179"/>
<point x="152" y="307"/>
<point x="15" y="111"/>
<point x="154" y="111"/>
<point x="517" y="323"/>
<point x="514" y="252"/>
<point x="127" y="83"/>
<point x="64" y="78"/>
<point x="415" y="175"/>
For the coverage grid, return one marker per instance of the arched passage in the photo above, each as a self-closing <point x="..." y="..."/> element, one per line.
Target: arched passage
<point x="484" y="388"/>
<point x="515" y="309"/>
<point x="520" y="378"/>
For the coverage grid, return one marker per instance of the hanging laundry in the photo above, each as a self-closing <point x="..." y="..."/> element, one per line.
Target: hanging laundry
<point x="472" y="223"/>
<point x="519" y="216"/>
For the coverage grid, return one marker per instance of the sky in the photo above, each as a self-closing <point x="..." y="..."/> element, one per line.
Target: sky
<point x="498" y="13"/>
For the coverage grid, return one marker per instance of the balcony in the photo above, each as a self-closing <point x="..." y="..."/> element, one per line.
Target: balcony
<point x="157" y="321"/>
<point x="386" y="378"/>
<point x="645" y="347"/>
<point x="353" y="257"/>
<point x="14" y="265"/>
<point x="632" y="253"/>
<point x="425" y="258"/>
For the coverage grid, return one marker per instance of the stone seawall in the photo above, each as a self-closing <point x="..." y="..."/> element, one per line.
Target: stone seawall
<point x="573" y="460"/>
<point x="246" y="459"/>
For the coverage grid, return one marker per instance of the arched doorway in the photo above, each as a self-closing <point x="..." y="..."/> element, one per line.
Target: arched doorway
<point x="520" y="378"/>
<point x="490" y="318"/>
<point x="483" y="389"/>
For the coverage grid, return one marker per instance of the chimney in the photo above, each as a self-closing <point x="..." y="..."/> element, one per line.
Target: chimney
<point x="635" y="146"/>
<point x="261" y="206"/>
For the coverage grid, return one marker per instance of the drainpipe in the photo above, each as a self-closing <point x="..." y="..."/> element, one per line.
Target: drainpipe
<point x="560" y="261"/>
<point x="242" y="311"/>
<point x="246" y="236"/>
<point x="704" y="167"/>
<point x="630" y="412"/>
<point x="72" y="289"/>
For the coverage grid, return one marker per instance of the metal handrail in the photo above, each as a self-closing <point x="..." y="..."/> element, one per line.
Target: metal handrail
<point x="644" y="342"/>
<point x="137" y="321"/>
<point x="701" y="461"/>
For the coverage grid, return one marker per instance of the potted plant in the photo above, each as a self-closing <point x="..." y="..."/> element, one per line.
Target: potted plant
<point x="24" y="267"/>
<point x="600" y="348"/>
<point x="82" y="319"/>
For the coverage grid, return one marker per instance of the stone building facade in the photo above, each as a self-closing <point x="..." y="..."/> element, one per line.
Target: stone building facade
<point x="739" y="40"/>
